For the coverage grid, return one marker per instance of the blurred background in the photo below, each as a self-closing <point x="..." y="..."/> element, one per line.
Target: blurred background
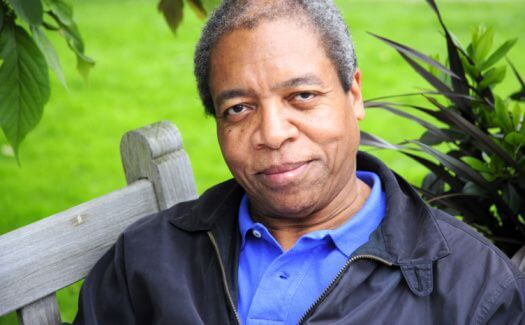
<point x="144" y="74"/>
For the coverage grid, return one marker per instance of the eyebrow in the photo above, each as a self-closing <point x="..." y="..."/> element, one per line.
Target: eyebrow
<point x="308" y="79"/>
<point x="232" y="93"/>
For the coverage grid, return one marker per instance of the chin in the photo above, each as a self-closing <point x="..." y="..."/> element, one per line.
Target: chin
<point x="290" y="207"/>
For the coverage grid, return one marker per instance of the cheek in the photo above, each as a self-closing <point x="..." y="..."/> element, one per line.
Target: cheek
<point x="233" y="147"/>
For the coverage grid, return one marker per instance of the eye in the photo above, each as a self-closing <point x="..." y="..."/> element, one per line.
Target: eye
<point x="304" y="96"/>
<point x="235" y="110"/>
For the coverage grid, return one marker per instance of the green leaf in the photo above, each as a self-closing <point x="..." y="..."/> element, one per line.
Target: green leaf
<point x="24" y="84"/>
<point x="493" y="77"/>
<point x="476" y="164"/>
<point x="75" y="42"/>
<point x="518" y="117"/>
<point x="502" y="115"/>
<point x="210" y="5"/>
<point x="469" y="68"/>
<point x="49" y="52"/>
<point x="63" y="11"/>
<point x="29" y="10"/>
<point x="198" y="8"/>
<point x="84" y="65"/>
<point x="482" y="42"/>
<point x="457" y="166"/>
<point x="498" y="54"/>
<point x="173" y="12"/>
<point x="1" y="17"/>
<point x="482" y="139"/>
<point x="512" y="197"/>
<point x="471" y="188"/>
<point x="515" y="138"/>
<point x="520" y="94"/>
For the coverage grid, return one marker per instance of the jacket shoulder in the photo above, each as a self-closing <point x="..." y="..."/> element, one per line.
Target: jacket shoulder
<point x="483" y="269"/>
<point x="461" y="236"/>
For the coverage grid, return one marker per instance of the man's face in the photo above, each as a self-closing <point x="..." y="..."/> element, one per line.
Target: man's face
<point x="287" y="129"/>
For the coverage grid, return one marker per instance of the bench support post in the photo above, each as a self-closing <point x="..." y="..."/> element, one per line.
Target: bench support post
<point x="41" y="312"/>
<point x="155" y="153"/>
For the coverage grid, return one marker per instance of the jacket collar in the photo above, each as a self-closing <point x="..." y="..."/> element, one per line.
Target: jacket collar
<point x="408" y="236"/>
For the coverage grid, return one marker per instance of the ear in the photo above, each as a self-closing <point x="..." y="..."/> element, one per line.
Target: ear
<point x="355" y="97"/>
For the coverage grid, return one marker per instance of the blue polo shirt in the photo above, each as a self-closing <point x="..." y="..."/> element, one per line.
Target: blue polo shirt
<point x="277" y="287"/>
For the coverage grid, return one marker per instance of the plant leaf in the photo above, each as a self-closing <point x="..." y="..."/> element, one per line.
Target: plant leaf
<point x="63" y="11"/>
<point x="518" y="117"/>
<point x="456" y="165"/>
<point x="502" y="115"/>
<point x="74" y="41"/>
<point x="429" y="126"/>
<point x="30" y="11"/>
<point x="173" y="12"/>
<point x="459" y="83"/>
<point x="493" y="77"/>
<point x="512" y="197"/>
<point x="411" y="52"/>
<point x="520" y="94"/>
<point x="476" y="164"/>
<point x="49" y="52"/>
<point x="483" y="140"/>
<point x="473" y="189"/>
<point x="433" y="184"/>
<point x="515" y="138"/>
<point x="1" y="17"/>
<point x="482" y="44"/>
<point x="498" y="54"/>
<point x="368" y="139"/>
<point x="25" y="84"/>
<point x="198" y="8"/>
<point x="210" y="5"/>
<point x="438" y="170"/>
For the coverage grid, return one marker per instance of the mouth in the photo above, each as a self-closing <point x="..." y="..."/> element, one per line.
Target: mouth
<point x="279" y="175"/>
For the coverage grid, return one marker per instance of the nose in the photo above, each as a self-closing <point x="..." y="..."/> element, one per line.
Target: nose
<point x="275" y="127"/>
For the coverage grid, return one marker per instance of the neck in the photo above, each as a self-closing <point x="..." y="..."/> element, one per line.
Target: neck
<point x="288" y="230"/>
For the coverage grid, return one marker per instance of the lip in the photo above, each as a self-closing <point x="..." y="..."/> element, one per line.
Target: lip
<point x="279" y="175"/>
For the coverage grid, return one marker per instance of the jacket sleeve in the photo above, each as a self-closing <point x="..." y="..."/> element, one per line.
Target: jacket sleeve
<point x="505" y="306"/>
<point x="104" y="297"/>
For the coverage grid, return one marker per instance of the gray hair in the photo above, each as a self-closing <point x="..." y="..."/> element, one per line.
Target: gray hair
<point x="321" y="15"/>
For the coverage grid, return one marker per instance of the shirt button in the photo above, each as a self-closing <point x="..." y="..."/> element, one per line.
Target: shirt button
<point x="257" y="233"/>
<point x="284" y="275"/>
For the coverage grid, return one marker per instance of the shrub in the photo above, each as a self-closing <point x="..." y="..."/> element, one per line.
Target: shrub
<point x="474" y="146"/>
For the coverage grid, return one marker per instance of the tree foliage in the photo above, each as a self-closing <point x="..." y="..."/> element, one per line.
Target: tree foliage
<point x="26" y="55"/>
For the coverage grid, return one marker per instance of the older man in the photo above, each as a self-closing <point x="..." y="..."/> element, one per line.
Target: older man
<point x="309" y="230"/>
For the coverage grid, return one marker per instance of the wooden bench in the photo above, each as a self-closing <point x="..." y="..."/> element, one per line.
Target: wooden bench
<point x="39" y="259"/>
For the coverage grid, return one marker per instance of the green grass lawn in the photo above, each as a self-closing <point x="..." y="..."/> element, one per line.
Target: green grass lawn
<point x="144" y="74"/>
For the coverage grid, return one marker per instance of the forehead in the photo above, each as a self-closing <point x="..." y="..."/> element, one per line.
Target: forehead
<point x="273" y="51"/>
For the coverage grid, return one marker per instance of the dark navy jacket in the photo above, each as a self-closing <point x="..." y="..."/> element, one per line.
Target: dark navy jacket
<point x="421" y="266"/>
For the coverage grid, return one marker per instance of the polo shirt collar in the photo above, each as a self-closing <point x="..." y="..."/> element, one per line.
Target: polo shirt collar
<point x="346" y="238"/>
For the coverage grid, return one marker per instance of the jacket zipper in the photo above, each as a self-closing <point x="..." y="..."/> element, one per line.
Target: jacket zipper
<point x="224" y="282"/>
<point x="338" y="277"/>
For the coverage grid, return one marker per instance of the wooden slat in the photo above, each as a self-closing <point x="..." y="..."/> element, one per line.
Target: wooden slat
<point x="42" y="312"/>
<point x="155" y="153"/>
<point x="57" y="251"/>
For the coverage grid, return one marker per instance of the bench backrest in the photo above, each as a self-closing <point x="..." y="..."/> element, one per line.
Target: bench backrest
<point x="39" y="259"/>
